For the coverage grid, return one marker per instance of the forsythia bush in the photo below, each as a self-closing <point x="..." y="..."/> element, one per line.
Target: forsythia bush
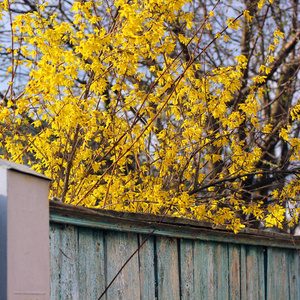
<point x="124" y="113"/>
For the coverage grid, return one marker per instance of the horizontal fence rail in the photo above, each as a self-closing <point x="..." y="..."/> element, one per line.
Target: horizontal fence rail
<point x="183" y="259"/>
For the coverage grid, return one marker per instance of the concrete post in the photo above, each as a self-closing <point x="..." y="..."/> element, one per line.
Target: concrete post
<point x="24" y="233"/>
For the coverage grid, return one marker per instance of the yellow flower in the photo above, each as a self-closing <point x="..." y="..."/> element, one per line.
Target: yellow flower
<point x="247" y="16"/>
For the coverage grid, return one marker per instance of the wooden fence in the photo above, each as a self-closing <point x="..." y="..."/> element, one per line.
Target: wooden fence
<point x="184" y="259"/>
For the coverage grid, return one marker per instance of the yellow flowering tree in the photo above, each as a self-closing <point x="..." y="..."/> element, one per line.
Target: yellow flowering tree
<point x="182" y="107"/>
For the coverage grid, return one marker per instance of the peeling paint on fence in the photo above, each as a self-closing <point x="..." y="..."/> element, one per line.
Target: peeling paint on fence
<point x="184" y="259"/>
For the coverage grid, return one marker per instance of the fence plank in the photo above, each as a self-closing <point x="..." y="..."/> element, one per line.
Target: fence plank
<point x="198" y="271"/>
<point x="294" y="274"/>
<point x="243" y="268"/>
<point x="261" y="271"/>
<point x="119" y="247"/>
<point x="211" y="270"/>
<point x="234" y="271"/>
<point x="91" y="263"/>
<point x="221" y="271"/>
<point x="278" y="270"/>
<point x="146" y="261"/>
<point x="167" y="268"/>
<point x="55" y="262"/>
<point x="205" y="277"/>
<point x="187" y="269"/>
<point x="69" y="259"/>
<point x="252" y="273"/>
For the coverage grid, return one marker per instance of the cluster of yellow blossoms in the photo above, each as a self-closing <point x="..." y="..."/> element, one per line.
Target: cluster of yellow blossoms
<point x="111" y="140"/>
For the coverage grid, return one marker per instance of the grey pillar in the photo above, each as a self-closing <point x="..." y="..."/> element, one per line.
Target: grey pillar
<point x="24" y="233"/>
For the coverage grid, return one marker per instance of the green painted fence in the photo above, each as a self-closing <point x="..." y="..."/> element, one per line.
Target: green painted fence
<point x="184" y="259"/>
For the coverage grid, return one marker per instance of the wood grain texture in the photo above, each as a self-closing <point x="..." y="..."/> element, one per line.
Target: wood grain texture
<point x="252" y="273"/>
<point x="222" y="274"/>
<point x="55" y="262"/>
<point x="294" y="275"/>
<point x="234" y="256"/>
<point x="278" y="274"/>
<point x="205" y="273"/>
<point x="119" y="247"/>
<point x="187" y="269"/>
<point x="167" y="268"/>
<point x="69" y="259"/>
<point x="146" y="268"/>
<point x="91" y="275"/>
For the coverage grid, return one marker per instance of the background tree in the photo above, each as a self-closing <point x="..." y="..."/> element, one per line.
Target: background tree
<point x="182" y="107"/>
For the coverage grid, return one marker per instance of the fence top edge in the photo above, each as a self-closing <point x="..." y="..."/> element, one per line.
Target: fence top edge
<point x="146" y="220"/>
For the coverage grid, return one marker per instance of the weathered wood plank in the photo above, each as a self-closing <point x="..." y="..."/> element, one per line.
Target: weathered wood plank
<point x="198" y="270"/>
<point x="261" y="272"/>
<point x="55" y="262"/>
<point x="205" y="276"/>
<point x="187" y="269"/>
<point x="252" y="272"/>
<point x="278" y="274"/>
<point x="167" y="268"/>
<point x="119" y="247"/>
<point x="69" y="259"/>
<point x="243" y="268"/>
<point x="221" y="271"/>
<point x="234" y="253"/>
<point x="294" y="274"/>
<point x="297" y="273"/>
<point x="211" y="270"/>
<point x="146" y="268"/>
<point x="91" y="274"/>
